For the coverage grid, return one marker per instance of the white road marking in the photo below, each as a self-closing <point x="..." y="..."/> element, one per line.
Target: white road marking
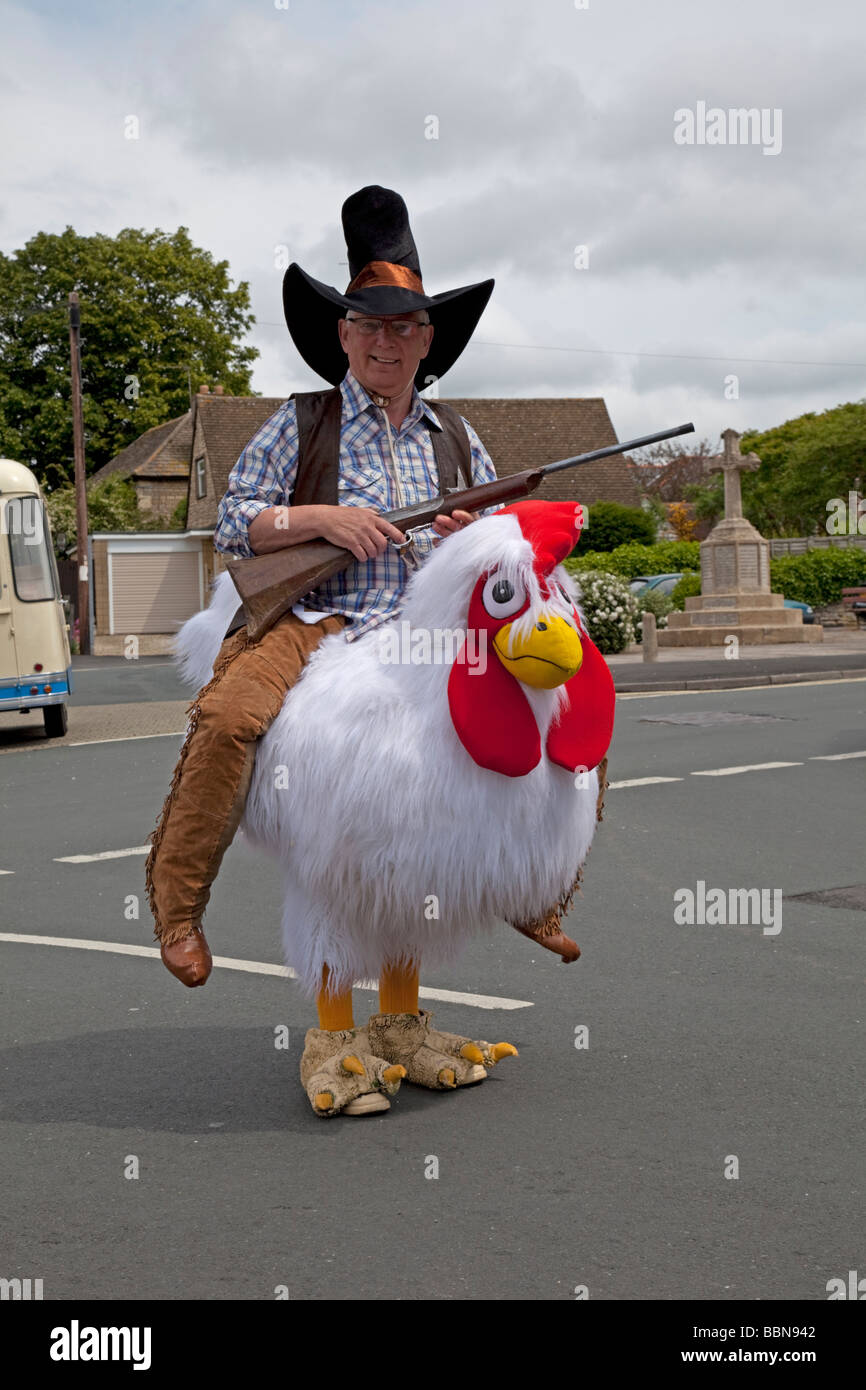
<point x="834" y="757"/>
<point x="642" y="782"/>
<point x="748" y="767"/>
<point x="255" y="967"/>
<point x="85" y="670"/>
<point x="59" y="744"/>
<point x="7" y="871"/>
<point x="105" y="854"/>
<point x="127" y="738"/>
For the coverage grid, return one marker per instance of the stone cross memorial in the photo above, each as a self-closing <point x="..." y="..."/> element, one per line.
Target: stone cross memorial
<point x="735" y="558"/>
<point x="735" y="601"/>
<point x="732" y="463"/>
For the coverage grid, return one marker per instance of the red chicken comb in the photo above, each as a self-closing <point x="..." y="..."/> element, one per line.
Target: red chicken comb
<point x="552" y="529"/>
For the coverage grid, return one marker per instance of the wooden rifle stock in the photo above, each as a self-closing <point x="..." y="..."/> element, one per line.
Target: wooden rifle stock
<point x="271" y="584"/>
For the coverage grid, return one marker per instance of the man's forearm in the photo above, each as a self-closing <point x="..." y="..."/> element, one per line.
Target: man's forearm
<point x="277" y="527"/>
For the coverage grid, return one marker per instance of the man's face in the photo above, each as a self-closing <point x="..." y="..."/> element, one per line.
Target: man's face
<point x="386" y="360"/>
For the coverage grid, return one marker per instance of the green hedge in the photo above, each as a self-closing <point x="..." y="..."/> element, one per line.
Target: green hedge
<point x="667" y="557"/>
<point x="688" y="587"/>
<point x="819" y="576"/>
<point x="610" y="524"/>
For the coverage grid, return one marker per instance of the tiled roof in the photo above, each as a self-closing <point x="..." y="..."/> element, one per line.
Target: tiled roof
<point x="522" y="432"/>
<point x="161" y="452"/>
<point x="228" y="423"/>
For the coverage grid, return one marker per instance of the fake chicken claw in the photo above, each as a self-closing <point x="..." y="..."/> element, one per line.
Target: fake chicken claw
<point x="342" y="1076"/>
<point x="440" y="1061"/>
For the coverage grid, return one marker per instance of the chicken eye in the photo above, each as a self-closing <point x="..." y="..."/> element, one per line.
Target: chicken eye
<point x="502" y="598"/>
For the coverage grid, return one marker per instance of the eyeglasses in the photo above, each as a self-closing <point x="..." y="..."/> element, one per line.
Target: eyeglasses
<point x="402" y="328"/>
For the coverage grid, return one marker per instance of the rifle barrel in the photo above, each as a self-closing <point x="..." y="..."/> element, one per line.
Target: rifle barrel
<point x="618" y="448"/>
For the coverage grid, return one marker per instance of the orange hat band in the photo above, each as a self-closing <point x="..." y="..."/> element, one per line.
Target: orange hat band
<point x="385" y="273"/>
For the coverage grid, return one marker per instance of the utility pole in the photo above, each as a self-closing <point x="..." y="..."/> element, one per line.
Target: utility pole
<point x="80" y="485"/>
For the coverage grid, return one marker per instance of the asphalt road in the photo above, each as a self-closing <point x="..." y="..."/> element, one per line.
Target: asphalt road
<point x="601" y="1166"/>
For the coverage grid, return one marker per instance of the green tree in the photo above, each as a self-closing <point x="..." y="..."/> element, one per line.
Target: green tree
<point x="111" y="506"/>
<point x="804" y="464"/>
<point x="157" y="314"/>
<point x="708" y="499"/>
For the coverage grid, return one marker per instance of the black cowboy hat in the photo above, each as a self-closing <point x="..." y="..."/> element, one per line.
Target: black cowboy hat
<point x="385" y="279"/>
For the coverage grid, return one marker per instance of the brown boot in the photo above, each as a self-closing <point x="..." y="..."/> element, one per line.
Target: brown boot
<point x="189" y="959"/>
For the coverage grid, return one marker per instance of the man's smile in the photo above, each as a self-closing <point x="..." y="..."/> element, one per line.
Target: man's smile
<point x="385" y="361"/>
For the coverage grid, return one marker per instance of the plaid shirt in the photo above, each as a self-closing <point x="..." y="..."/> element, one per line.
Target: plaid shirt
<point x="368" y="592"/>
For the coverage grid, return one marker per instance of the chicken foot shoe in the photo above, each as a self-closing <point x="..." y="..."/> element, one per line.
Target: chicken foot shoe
<point x="341" y="1074"/>
<point x="440" y="1061"/>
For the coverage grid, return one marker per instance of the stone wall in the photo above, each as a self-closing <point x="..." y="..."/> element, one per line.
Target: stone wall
<point x="835" y="615"/>
<point x="160" y="496"/>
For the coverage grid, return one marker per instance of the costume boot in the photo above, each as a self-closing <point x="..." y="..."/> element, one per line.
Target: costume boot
<point x="189" y="959"/>
<point x="440" y="1061"/>
<point x="342" y="1075"/>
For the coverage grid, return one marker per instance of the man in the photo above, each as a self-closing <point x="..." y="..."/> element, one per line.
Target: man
<point x="324" y="465"/>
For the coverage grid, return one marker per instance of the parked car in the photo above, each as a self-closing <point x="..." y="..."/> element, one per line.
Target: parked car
<point x="666" y="583"/>
<point x="806" y="609"/>
<point x="659" y="583"/>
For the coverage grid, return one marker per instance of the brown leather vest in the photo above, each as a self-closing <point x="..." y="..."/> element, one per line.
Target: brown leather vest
<point x="318" y="476"/>
<point x="319" y="418"/>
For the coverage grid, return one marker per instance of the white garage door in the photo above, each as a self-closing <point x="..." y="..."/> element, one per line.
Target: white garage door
<point x="154" y="591"/>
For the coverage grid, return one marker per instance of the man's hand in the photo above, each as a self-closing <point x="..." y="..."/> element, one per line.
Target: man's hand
<point x="358" y="529"/>
<point x="365" y="533"/>
<point x="447" y="525"/>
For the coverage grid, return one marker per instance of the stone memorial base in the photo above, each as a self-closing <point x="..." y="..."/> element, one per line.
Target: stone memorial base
<point x="755" y="619"/>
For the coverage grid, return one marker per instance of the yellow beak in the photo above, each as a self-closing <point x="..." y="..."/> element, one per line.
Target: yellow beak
<point x="547" y="657"/>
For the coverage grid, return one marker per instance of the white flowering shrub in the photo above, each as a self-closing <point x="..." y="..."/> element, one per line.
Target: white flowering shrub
<point x="609" y="607"/>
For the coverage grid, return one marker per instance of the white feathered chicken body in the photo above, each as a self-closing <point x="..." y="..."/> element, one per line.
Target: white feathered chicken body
<point x="413" y="800"/>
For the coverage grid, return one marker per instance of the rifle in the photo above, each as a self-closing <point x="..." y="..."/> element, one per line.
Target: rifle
<point x="271" y="584"/>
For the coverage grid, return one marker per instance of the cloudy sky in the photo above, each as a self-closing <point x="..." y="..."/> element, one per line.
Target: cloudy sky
<point x="556" y="130"/>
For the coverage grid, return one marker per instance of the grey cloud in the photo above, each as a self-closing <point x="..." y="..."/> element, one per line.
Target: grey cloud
<point x="555" y="129"/>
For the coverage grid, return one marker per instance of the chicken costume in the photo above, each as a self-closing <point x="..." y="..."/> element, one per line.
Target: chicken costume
<point x="429" y="760"/>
